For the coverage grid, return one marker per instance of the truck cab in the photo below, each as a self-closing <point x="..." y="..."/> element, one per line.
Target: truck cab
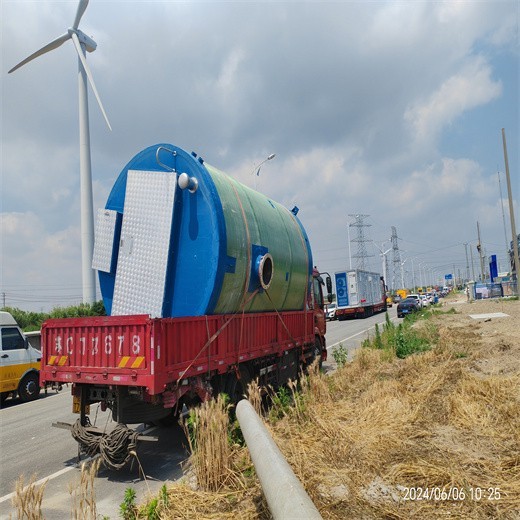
<point x="19" y="362"/>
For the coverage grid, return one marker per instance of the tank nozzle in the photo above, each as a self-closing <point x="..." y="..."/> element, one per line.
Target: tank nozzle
<point x="265" y="268"/>
<point x="185" y="181"/>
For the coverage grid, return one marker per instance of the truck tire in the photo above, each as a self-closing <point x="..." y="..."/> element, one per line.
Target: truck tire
<point x="237" y="388"/>
<point x="3" y="397"/>
<point x="316" y="354"/>
<point x="29" y="388"/>
<point x="171" y="419"/>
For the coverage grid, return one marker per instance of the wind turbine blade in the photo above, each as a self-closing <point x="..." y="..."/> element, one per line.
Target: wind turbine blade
<point x="79" y="50"/>
<point x="79" y="13"/>
<point x="47" y="48"/>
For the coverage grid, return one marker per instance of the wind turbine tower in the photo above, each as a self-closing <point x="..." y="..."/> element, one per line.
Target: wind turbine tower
<point x="82" y="44"/>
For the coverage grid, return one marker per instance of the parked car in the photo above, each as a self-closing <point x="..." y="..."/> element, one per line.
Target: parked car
<point x="331" y="311"/>
<point x="407" y="306"/>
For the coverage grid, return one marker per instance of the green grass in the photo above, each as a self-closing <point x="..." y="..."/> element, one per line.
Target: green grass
<point x="403" y="339"/>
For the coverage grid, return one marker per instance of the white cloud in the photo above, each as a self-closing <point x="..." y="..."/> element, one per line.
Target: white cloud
<point x="228" y="77"/>
<point x="366" y="105"/>
<point x="469" y="88"/>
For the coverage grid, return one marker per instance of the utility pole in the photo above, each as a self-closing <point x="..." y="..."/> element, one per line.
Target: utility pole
<point x="511" y="211"/>
<point x="413" y="276"/>
<point x="3" y="300"/>
<point x="503" y="219"/>
<point x="349" y="251"/>
<point x="479" y="249"/>
<point x="454" y="279"/>
<point x="402" y="273"/>
<point x="467" y="263"/>
<point x="472" y="264"/>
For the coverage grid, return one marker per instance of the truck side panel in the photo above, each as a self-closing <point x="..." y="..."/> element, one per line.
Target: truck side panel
<point x="139" y="351"/>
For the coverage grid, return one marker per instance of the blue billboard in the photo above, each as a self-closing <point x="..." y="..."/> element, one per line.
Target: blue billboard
<point x="493" y="267"/>
<point x="341" y="289"/>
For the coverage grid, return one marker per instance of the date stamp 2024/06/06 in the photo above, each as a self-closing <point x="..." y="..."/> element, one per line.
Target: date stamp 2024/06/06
<point x="453" y="493"/>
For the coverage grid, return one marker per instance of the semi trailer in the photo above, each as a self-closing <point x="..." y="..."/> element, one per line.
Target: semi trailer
<point x="359" y="294"/>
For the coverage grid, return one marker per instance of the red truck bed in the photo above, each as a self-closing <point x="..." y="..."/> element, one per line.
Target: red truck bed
<point x="140" y="351"/>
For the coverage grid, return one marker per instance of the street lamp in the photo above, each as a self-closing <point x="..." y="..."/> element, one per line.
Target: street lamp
<point x="383" y="255"/>
<point x="256" y="169"/>
<point x="402" y="272"/>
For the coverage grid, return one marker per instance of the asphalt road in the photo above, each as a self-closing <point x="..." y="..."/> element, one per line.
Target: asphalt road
<point x="30" y="445"/>
<point x="351" y="333"/>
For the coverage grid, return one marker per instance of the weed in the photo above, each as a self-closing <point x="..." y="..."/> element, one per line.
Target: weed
<point x="378" y="342"/>
<point x="340" y="355"/>
<point x="151" y="509"/>
<point x="128" y="508"/>
<point x="281" y="403"/>
<point x="163" y="496"/>
<point x="408" y="341"/>
<point x="460" y="355"/>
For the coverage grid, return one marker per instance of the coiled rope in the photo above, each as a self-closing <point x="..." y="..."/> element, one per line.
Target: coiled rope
<point x="115" y="447"/>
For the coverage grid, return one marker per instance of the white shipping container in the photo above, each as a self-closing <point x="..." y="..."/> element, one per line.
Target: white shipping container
<point x="356" y="288"/>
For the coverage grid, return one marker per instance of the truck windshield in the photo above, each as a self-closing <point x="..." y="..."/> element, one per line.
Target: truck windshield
<point x="318" y="294"/>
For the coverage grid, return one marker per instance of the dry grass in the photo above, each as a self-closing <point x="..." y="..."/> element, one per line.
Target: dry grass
<point x="83" y="493"/>
<point x="27" y="499"/>
<point x="360" y="437"/>
<point x="207" y="430"/>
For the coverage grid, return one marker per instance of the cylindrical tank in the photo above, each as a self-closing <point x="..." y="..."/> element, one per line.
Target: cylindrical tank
<point x="226" y="249"/>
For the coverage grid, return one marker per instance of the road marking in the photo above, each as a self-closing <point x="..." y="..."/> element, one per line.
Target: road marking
<point x="65" y="470"/>
<point x="362" y="332"/>
<point x="40" y="482"/>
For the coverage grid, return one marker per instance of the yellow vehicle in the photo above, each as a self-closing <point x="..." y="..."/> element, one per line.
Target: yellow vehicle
<point x="389" y="301"/>
<point x="403" y="293"/>
<point x="19" y="362"/>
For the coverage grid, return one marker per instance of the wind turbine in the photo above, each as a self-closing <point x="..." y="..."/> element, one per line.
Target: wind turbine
<point x="82" y="43"/>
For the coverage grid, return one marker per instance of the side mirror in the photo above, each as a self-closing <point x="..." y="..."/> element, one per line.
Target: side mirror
<point x="328" y="282"/>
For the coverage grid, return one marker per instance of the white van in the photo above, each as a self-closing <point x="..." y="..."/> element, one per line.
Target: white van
<point x="19" y="362"/>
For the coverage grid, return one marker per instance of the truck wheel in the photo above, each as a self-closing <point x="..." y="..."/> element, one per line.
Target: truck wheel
<point x="237" y="388"/>
<point x="317" y="352"/>
<point x="3" y="397"/>
<point x="171" y="419"/>
<point x="29" y="388"/>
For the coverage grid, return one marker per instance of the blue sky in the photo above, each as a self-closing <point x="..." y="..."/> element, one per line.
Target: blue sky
<point x="391" y="109"/>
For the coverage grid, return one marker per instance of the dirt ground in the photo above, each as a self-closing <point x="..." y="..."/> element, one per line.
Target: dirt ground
<point x="493" y="341"/>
